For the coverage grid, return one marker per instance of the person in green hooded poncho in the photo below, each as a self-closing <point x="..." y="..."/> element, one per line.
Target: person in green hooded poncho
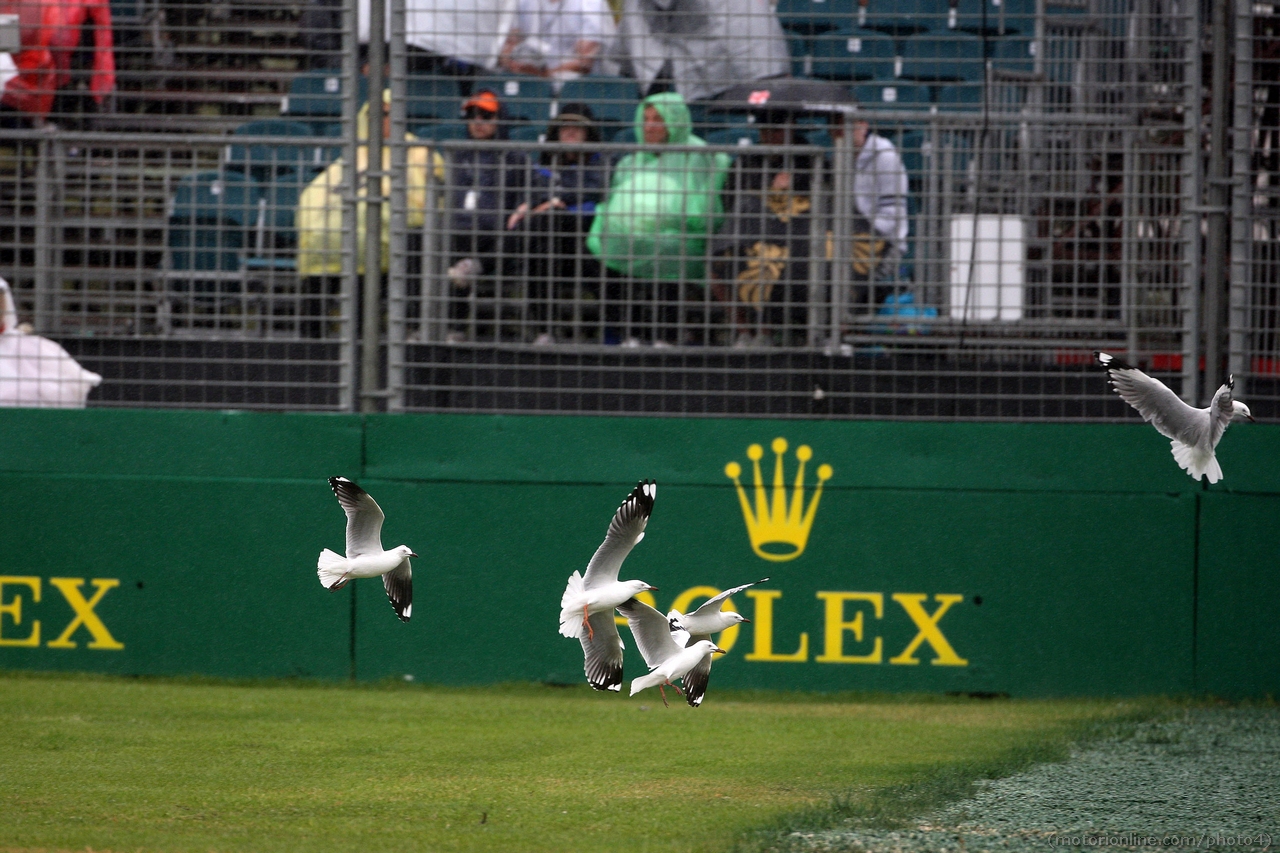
<point x="663" y="205"/>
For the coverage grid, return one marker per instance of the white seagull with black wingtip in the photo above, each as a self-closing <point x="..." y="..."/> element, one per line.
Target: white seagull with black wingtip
<point x="669" y="653"/>
<point x="1194" y="433"/>
<point x="365" y="557"/>
<point x="586" y="608"/>
<point x="709" y="618"/>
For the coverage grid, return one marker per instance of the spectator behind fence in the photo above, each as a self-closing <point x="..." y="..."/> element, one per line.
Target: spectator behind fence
<point x="566" y="187"/>
<point x="36" y="372"/>
<point x="319" y="219"/>
<point x="880" y="201"/>
<point x="487" y="185"/>
<point x="761" y="271"/>
<point x="651" y="232"/>
<point x="82" y="91"/>
<point x="30" y="77"/>
<point x="559" y="39"/>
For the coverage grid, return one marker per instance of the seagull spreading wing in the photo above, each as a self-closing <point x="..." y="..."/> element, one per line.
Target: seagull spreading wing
<point x="709" y="618"/>
<point x="669" y="653"/>
<point x="1194" y="433"/>
<point x="589" y="600"/>
<point x="365" y="557"/>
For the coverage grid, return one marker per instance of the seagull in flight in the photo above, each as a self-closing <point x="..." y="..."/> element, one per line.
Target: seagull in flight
<point x="1194" y="433"/>
<point x="586" y="608"/>
<point x="669" y="654"/>
<point x="365" y="557"/>
<point x="709" y="618"/>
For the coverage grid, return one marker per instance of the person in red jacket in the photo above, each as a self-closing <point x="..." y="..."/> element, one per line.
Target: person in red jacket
<point x="28" y="94"/>
<point x="82" y="90"/>
<point x="51" y="32"/>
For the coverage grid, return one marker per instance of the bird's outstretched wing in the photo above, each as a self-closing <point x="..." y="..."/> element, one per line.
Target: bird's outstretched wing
<point x="711" y="605"/>
<point x="602" y="652"/>
<point x="399" y="586"/>
<point x="625" y="530"/>
<point x="696" y="680"/>
<point x="652" y="633"/>
<point x="1220" y="411"/>
<point x="1155" y="401"/>
<point x="364" y="517"/>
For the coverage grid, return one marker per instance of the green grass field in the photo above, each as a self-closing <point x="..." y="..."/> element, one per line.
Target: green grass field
<point x="157" y="765"/>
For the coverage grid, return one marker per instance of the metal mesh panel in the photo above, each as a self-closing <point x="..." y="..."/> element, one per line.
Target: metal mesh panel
<point x="193" y="233"/>
<point x="1255" y="249"/>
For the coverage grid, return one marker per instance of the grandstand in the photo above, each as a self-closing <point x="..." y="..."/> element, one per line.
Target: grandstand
<point x="1055" y="172"/>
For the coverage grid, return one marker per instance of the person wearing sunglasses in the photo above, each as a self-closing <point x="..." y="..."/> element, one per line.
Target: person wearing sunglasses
<point x="487" y="185"/>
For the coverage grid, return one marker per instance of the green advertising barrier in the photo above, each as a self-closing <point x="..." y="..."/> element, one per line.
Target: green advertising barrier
<point x="1238" y="632"/>
<point x="169" y="542"/>
<point x="1029" y="559"/>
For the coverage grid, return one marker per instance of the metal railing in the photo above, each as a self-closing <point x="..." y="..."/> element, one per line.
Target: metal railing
<point x="1057" y="195"/>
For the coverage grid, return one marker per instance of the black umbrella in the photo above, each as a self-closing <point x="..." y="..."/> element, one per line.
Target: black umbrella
<point x="786" y="95"/>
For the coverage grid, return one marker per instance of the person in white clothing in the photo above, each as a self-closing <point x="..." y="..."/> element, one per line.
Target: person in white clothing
<point x="35" y="371"/>
<point x="557" y="38"/>
<point x="880" y="199"/>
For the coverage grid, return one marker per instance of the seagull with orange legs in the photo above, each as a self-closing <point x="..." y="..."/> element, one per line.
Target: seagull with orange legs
<point x="365" y="557"/>
<point x="669" y="654"/>
<point x="586" y="608"/>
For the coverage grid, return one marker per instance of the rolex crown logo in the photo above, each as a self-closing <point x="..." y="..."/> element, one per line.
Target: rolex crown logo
<point x="778" y="531"/>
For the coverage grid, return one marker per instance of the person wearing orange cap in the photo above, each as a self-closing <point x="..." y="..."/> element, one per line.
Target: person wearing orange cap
<point x="487" y="186"/>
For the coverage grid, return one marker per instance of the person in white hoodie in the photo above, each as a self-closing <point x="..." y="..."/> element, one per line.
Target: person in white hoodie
<point x="880" y="199"/>
<point x="36" y="372"/>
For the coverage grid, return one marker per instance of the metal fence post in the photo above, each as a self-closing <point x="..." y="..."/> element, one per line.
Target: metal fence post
<point x="1218" y="198"/>
<point x="397" y="274"/>
<point x="1192" y="194"/>
<point x="1239" y="295"/>
<point x="371" y="296"/>
<point x="350" y="353"/>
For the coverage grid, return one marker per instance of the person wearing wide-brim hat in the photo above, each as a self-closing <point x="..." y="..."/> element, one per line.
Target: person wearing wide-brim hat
<point x="567" y="184"/>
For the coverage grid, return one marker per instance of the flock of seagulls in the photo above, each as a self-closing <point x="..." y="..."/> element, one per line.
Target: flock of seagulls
<point x="678" y="646"/>
<point x="675" y="646"/>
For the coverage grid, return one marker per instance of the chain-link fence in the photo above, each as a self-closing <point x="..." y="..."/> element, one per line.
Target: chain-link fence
<point x="821" y="208"/>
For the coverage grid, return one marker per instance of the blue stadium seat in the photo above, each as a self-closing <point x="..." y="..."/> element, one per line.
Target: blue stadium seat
<point x="810" y="17"/>
<point x="800" y="49"/>
<point x="429" y="98"/>
<point x="1002" y="18"/>
<point x="622" y="135"/>
<point x="529" y="133"/>
<point x="891" y="95"/>
<point x="273" y="239"/>
<point x="953" y="97"/>
<point x="262" y="161"/>
<point x="316" y="97"/>
<point x="903" y="18"/>
<point x="211" y="217"/>
<point x="943" y="57"/>
<point x="1013" y="53"/>
<point x="854" y="54"/>
<point x="441" y="131"/>
<point x="612" y="100"/>
<point x="741" y="135"/>
<point x="523" y="98"/>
